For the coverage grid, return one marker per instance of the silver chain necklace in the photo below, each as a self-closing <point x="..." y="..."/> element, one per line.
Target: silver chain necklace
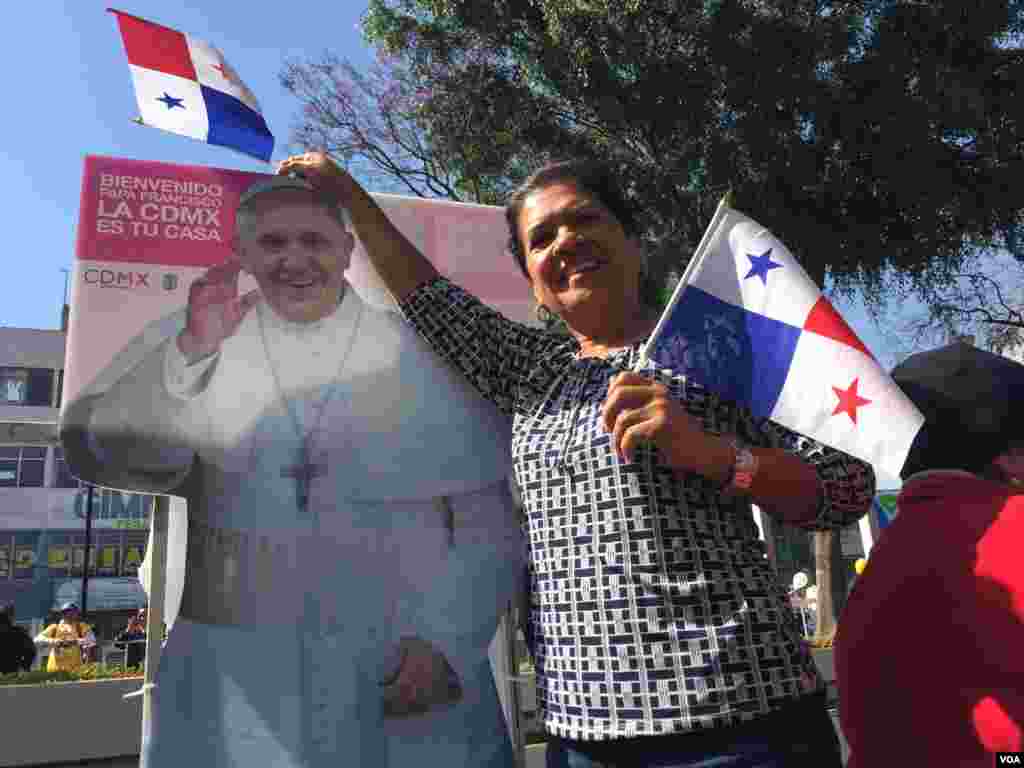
<point x="305" y="470"/>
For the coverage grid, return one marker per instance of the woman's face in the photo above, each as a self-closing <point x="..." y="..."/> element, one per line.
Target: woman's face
<point x="578" y="256"/>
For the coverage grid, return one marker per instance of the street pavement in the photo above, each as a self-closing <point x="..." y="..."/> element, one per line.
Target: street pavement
<point x="117" y="762"/>
<point x="534" y="756"/>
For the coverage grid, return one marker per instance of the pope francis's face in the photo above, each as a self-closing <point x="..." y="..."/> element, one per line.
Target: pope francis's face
<point x="297" y="251"/>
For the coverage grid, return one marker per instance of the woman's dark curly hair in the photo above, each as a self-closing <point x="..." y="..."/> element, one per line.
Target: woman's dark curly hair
<point x="590" y="176"/>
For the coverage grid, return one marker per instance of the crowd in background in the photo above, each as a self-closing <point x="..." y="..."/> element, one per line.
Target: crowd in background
<point x="68" y="642"/>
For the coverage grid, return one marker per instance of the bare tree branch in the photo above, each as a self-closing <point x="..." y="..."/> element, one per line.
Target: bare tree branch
<point x="370" y="120"/>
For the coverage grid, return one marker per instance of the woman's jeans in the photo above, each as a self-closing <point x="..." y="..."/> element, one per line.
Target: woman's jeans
<point x="800" y="734"/>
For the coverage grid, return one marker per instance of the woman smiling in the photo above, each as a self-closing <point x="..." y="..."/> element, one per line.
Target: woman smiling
<point x="662" y="637"/>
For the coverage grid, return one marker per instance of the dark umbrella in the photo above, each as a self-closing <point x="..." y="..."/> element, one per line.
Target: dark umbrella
<point x="972" y="404"/>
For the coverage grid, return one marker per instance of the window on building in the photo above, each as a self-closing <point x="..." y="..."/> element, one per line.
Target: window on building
<point x="26" y="386"/>
<point x="60" y="387"/>
<point x="59" y="556"/>
<point x="9" y="466"/>
<point x="134" y="551"/>
<point x="22" y="466"/>
<point x="13" y="385"/>
<point x="25" y="545"/>
<point x="6" y="555"/>
<point x="109" y="549"/>
<point x="64" y="477"/>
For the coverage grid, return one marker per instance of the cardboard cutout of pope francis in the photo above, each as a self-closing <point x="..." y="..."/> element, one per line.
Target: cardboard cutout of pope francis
<point x="348" y="504"/>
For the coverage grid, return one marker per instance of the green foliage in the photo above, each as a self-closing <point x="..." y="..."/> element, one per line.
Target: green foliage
<point x="870" y="136"/>
<point x="881" y="140"/>
<point x="664" y="295"/>
<point x="84" y="673"/>
<point x="36" y="676"/>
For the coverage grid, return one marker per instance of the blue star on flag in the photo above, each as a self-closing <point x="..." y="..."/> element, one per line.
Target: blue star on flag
<point x="171" y="102"/>
<point x="761" y="266"/>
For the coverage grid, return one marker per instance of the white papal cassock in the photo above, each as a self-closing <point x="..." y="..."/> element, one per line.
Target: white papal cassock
<point x="290" y="617"/>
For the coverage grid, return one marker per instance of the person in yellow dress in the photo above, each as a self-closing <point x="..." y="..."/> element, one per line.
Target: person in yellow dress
<point x="67" y="638"/>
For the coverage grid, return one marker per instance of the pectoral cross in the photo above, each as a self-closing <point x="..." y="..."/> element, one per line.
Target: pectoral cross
<point x="304" y="472"/>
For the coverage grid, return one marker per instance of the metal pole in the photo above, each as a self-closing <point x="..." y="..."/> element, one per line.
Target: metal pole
<point x="64" y="306"/>
<point x="88" y="547"/>
<point x="509" y="628"/>
<point x="155" y="614"/>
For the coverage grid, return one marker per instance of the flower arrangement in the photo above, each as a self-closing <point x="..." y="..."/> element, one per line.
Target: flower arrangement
<point x="84" y="673"/>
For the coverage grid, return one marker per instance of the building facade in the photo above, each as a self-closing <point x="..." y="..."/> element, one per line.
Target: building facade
<point x="42" y="506"/>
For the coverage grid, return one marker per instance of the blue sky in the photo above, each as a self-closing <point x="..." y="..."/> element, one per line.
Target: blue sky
<point x="69" y="93"/>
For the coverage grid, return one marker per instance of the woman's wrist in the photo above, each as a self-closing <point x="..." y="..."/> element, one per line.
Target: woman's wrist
<point x="401" y="267"/>
<point x="719" y="459"/>
<point x="368" y="218"/>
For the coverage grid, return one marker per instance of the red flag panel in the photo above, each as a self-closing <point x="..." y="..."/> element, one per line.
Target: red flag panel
<point x="156" y="47"/>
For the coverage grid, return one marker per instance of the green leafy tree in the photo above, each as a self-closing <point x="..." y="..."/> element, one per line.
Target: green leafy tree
<point x="867" y="135"/>
<point x="985" y="300"/>
<point x="875" y="138"/>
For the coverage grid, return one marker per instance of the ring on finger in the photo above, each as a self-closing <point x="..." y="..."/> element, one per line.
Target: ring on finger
<point x="625" y="416"/>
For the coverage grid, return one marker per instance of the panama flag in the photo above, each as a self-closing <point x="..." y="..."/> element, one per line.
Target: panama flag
<point x="749" y="324"/>
<point x="184" y="85"/>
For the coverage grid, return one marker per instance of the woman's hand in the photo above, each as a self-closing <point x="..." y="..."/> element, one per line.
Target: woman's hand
<point x="639" y="409"/>
<point x="326" y="176"/>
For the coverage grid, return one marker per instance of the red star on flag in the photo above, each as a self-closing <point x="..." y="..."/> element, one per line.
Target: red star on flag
<point x="225" y="72"/>
<point x="849" y="401"/>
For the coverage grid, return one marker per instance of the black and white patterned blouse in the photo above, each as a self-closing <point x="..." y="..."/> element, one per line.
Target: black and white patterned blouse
<point x="654" y="608"/>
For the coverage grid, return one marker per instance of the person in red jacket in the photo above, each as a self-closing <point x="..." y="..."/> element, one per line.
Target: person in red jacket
<point x="929" y="652"/>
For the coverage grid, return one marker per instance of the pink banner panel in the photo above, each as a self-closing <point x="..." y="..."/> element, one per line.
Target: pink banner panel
<point x="147" y="229"/>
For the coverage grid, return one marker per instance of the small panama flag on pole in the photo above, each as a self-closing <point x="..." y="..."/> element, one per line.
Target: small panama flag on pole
<point x="748" y="323"/>
<point x="184" y="85"/>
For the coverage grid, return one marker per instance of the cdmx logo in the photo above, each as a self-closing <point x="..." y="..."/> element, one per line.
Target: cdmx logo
<point x="112" y="505"/>
<point x="110" y="278"/>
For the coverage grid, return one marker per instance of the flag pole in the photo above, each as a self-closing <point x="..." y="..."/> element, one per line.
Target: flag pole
<point x="698" y="255"/>
<point x="157" y="552"/>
